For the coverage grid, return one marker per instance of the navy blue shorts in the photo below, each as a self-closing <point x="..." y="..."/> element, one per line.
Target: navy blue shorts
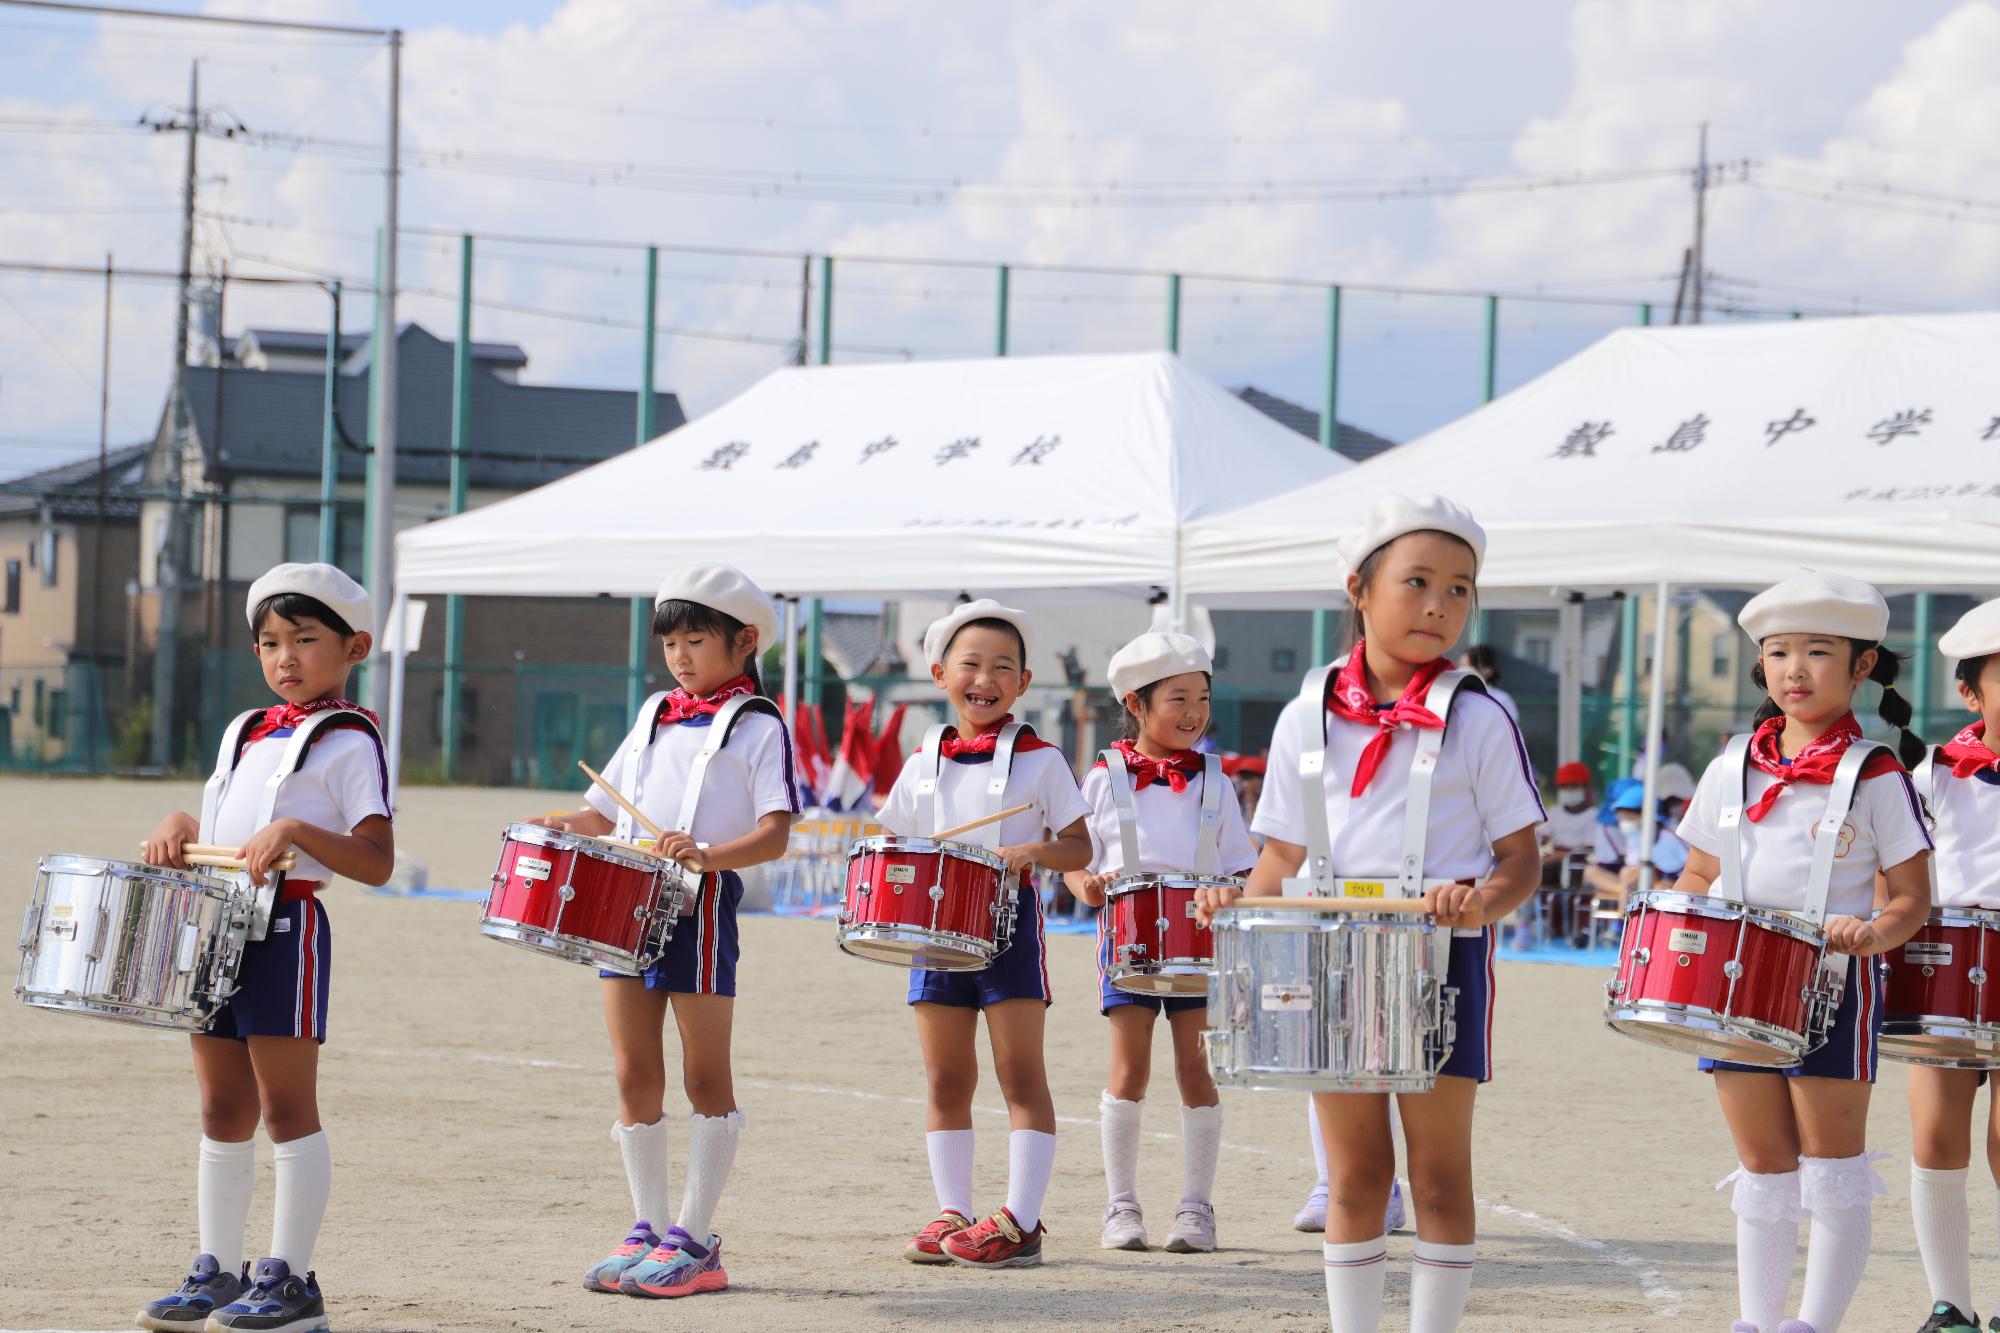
<point x="1850" y="1050"/>
<point x="701" y="957"/>
<point x="1471" y="971"/>
<point x="1109" y="997"/>
<point x="1020" y="972"/>
<point x="281" y="988"/>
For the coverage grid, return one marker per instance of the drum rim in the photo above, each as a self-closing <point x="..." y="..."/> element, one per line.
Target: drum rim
<point x="1964" y="918"/>
<point x="896" y="842"/>
<point x="1170" y="879"/>
<point x="1711" y="908"/>
<point x="195" y="878"/>
<point x="527" y="937"/>
<point x="597" y="849"/>
<point x="1656" y="1013"/>
<point x="1238" y="917"/>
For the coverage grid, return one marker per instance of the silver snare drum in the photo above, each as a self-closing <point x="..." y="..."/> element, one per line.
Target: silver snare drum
<point x="1317" y="999"/>
<point x="139" y="944"/>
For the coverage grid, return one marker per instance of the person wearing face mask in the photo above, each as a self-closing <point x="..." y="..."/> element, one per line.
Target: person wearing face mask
<point x="1568" y="835"/>
<point x="1615" y="872"/>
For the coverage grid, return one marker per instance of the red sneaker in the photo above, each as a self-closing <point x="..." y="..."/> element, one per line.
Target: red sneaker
<point x="924" y="1247"/>
<point x="998" y="1242"/>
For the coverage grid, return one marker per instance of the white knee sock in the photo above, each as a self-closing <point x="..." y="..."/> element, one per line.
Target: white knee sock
<point x="1319" y="1144"/>
<point x="222" y="1187"/>
<point x="1440" y="1280"/>
<point x="1767" y="1242"/>
<point x="644" y="1148"/>
<point x="1838" y="1193"/>
<point x="711" y="1152"/>
<point x="1944" y="1226"/>
<point x="951" y="1169"/>
<point x="1354" y="1284"/>
<point x="1201" y="1141"/>
<point x="1118" y="1125"/>
<point x="305" y="1178"/>
<point x="1031" y="1157"/>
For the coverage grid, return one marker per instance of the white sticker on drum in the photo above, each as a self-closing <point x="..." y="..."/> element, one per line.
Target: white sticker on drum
<point x="60" y="930"/>
<point x="533" y="867"/>
<point x="1191" y="912"/>
<point x="1687" y="941"/>
<point x="899" y="874"/>
<point x="1285" y="998"/>
<point x="1931" y="952"/>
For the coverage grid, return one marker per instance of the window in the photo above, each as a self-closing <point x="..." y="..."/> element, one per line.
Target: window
<point x="55" y="726"/>
<point x="1284" y="659"/>
<point x="1646" y="658"/>
<point x="1536" y="649"/>
<point x="302" y="535"/>
<point x="41" y="704"/>
<point x="49" y="544"/>
<point x="1718" y="664"/>
<point x="12" y="603"/>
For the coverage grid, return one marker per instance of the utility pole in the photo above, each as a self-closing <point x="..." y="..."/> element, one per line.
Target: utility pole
<point x="382" y="371"/>
<point x="1696" y="257"/>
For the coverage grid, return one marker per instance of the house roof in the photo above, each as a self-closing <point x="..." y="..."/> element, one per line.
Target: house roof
<point x="1355" y="443"/>
<point x="267" y="423"/>
<point x="124" y="466"/>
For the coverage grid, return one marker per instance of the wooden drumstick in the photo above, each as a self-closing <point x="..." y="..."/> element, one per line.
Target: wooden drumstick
<point x="984" y="821"/>
<point x="1338" y="904"/>
<point x="623" y="804"/>
<point x="230" y="858"/>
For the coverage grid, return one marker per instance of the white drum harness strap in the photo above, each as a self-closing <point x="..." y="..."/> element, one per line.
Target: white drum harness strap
<point x="1826" y="835"/>
<point x="930" y="792"/>
<point x="639" y="748"/>
<point x="1213" y="785"/>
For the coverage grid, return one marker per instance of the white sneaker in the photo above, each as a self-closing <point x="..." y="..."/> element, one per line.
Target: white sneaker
<point x="1393" y="1221"/>
<point x="1194" y="1229"/>
<point x="1312" y="1217"/>
<point x="1124" y="1228"/>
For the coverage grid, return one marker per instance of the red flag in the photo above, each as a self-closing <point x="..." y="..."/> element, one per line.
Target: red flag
<point x="810" y="738"/>
<point x="853" y="775"/>
<point x="889" y="751"/>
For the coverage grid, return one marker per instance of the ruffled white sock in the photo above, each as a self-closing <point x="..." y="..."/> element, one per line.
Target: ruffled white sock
<point x="1440" y="1281"/>
<point x="711" y="1152"/>
<point x="1118" y="1126"/>
<point x="1767" y="1242"/>
<point x="951" y="1169"/>
<point x="1201" y="1142"/>
<point x="1031" y="1158"/>
<point x="1944" y="1229"/>
<point x="1354" y="1274"/>
<point x="224" y="1182"/>
<point x="644" y="1148"/>
<point x="304" y="1168"/>
<point x="1839" y="1194"/>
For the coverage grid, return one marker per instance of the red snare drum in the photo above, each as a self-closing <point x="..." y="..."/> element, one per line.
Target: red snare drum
<point x="918" y="902"/>
<point x="1157" y="946"/>
<point x="1721" y="979"/>
<point x="584" y="899"/>
<point x="1938" y="1011"/>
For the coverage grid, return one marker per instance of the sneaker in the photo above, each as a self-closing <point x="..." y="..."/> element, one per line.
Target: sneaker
<point x="1740" y="1326"/>
<point x="1124" y="1227"/>
<point x="1194" y="1229"/>
<point x="1393" y="1219"/>
<point x="206" y="1290"/>
<point x="1947" y="1318"/>
<point x="1312" y="1217"/>
<point x="924" y="1247"/>
<point x="1796" y="1326"/>
<point x="278" y="1301"/>
<point x="604" y="1274"/>
<point x="998" y="1242"/>
<point x="677" y="1267"/>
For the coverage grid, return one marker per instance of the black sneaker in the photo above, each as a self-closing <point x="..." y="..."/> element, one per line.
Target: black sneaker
<point x="1946" y="1318"/>
<point x="279" y="1301"/>
<point x="206" y="1290"/>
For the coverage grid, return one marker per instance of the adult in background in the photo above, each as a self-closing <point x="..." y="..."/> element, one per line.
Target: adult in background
<point x="1482" y="658"/>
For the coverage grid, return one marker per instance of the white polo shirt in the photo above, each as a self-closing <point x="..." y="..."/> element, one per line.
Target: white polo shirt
<point x="1169" y="829"/>
<point x="1573" y="829"/>
<point x="1967" y="832"/>
<point x="749" y="778"/>
<point x="1884" y="828"/>
<point x="1483" y="790"/>
<point x="341" y="783"/>
<point x="1040" y="778"/>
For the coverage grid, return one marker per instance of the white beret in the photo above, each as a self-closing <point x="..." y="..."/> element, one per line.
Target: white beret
<point x="723" y="589"/>
<point x="1675" y="782"/>
<point x="938" y="637"/>
<point x="1976" y="634"/>
<point x="1153" y="657"/>
<point x="1395" y="516"/>
<point x="1816" y="603"/>
<point x="324" y="584"/>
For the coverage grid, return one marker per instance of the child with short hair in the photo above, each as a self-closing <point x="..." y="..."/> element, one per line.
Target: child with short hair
<point x="308" y="775"/>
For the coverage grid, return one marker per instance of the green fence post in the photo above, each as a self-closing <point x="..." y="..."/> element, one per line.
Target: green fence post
<point x="1173" y="312"/>
<point x="461" y="430"/>
<point x="639" y="629"/>
<point x="1922" y="654"/>
<point x="329" y="443"/>
<point x="1492" y="352"/>
<point x="1329" y="438"/>
<point x="1000" y="319"/>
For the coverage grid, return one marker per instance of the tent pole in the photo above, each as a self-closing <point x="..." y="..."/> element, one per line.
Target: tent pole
<point x="1921" y="656"/>
<point x="1656" y="721"/>
<point x="1628" y="671"/>
<point x="1177" y="615"/>
<point x="1329" y="439"/>
<point x="392" y="636"/>
<point x="1569" y="680"/>
<point x="789" y="655"/>
<point x="815" y="627"/>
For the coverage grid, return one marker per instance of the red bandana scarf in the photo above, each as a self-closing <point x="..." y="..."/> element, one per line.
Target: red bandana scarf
<point x="679" y="705"/>
<point x="286" y="717"/>
<point x="952" y="746"/>
<point x="1352" y="700"/>
<point x="1969" y="753"/>
<point x="1175" y="770"/>
<point x="1814" y="763"/>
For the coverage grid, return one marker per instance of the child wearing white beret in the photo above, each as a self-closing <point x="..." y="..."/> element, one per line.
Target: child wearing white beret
<point x="307" y="776"/>
<point x="1162" y="684"/>
<point x="1801" y="1132"/>
<point x="1960" y="783"/>
<point x="712" y="623"/>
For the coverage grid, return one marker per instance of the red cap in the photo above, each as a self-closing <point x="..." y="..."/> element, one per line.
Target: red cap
<point x="1232" y="764"/>
<point x="1573" y="774"/>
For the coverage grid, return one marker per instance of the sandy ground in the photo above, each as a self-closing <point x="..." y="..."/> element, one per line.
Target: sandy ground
<point x="467" y="1091"/>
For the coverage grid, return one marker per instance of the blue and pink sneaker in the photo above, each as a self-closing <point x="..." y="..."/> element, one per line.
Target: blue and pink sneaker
<point x="678" y="1267"/>
<point x="604" y="1275"/>
<point x="206" y="1290"/>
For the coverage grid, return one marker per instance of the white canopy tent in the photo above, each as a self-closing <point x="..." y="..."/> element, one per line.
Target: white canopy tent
<point x="1062" y="474"/>
<point x="1722" y="455"/>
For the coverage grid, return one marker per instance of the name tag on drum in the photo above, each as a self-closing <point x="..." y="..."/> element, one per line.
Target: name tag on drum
<point x="60" y="930"/>
<point x="1928" y="952"/>
<point x="900" y="874"/>
<point x="1362" y="888"/>
<point x="533" y="867"/>
<point x="1687" y="941"/>
<point x="1283" y="999"/>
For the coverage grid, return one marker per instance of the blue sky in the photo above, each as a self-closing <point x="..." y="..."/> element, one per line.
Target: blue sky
<point x="1012" y="122"/>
